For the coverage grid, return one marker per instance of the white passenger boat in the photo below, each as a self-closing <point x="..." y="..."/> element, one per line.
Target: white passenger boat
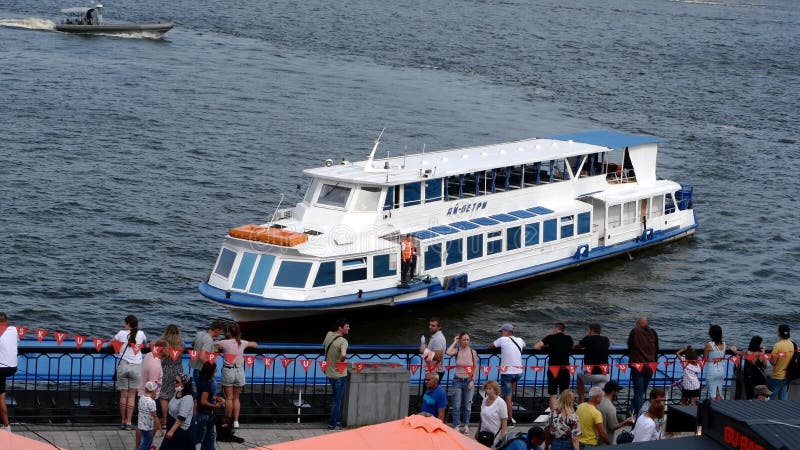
<point x="479" y="217"/>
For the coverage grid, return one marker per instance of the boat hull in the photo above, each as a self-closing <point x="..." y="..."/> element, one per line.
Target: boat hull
<point x="250" y="310"/>
<point x="158" y="29"/>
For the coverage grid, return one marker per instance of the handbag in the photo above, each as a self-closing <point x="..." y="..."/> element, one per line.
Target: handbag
<point x="116" y="368"/>
<point x="793" y="369"/>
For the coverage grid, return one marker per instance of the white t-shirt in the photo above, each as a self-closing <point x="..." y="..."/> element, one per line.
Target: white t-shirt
<point x="8" y="347"/>
<point x="147" y="406"/>
<point x="510" y="354"/>
<point x="646" y="430"/>
<point x="126" y="352"/>
<point x="492" y="415"/>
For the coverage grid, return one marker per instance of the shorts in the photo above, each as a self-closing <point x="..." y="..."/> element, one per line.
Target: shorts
<point x="558" y="383"/>
<point x="233" y="376"/>
<point x="5" y="372"/>
<point x="129" y="375"/>
<point x="507" y="383"/>
<point x="597" y="379"/>
<point x="690" y="393"/>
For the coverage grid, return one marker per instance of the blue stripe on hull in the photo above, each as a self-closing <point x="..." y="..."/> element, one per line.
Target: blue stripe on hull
<point x="435" y="290"/>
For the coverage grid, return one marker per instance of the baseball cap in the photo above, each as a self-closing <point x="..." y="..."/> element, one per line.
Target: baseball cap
<point x="151" y="386"/>
<point x="783" y="330"/>
<point x="612" y="386"/>
<point x="506" y="327"/>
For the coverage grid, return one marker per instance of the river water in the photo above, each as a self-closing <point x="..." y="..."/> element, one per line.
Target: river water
<point x="125" y="160"/>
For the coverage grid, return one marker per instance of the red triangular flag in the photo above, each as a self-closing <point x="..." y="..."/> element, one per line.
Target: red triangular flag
<point x="157" y="349"/>
<point x="431" y="367"/>
<point x="268" y="360"/>
<point x="554" y="370"/>
<point x="537" y="368"/>
<point x="341" y="366"/>
<point x="98" y="343"/>
<point x="588" y="368"/>
<point x="286" y="362"/>
<point x="359" y="367"/>
<point x="572" y="370"/>
<point x="751" y="357"/>
<point x="305" y="363"/>
<point x="653" y="366"/>
<point x="230" y="357"/>
<point x="40" y="334"/>
<point x="449" y="367"/>
<point x="394" y="365"/>
<point x="249" y="360"/>
<point x="79" y="340"/>
<point x="503" y="369"/>
<point x="637" y="365"/>
<point x="734" y="360"/>
<point x="136" y="348"/>
<point x="764" y="357"/>
<point x="323" y="365"/>
<point x="717" y="360"/>
<point x="193" y="354"/>
<point x="604" y="368"/>
<point x="486" y="370"/>
<point x="469" y="369"/>
<point x="117" y="345"/>
<point x="21" y="331"/>
<point x="375" y="365"/>
<point x="781" y="354"/>
<point x="59" y="337"/>
<point x="701" y="363"/>
<point x="212" y="357"/>
<point x="175" y="353"/>
<point x="414" y="368"/>
<point x="668" y="363"/>
<point x="622" y="367"/>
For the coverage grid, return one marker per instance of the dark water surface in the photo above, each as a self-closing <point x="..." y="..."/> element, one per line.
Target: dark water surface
<point x="125" y="160"/>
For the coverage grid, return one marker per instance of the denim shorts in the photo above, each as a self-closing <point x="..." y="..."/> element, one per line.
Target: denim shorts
<point x="129" y="376"/>
<point x="506" y="383"/>
<point x="233" y="376"/>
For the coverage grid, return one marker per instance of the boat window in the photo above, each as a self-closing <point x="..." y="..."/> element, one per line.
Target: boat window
<point x="501" y="179"/>
<point x="354" y="269"/>
<point x="494" y="242"/>
<point x="567" y="226"/>
<point x="244" y="271"/>
<point x="584" y="223"/>
<point x="614" y="216"/>
<point x="669" y="207"/>
<point x="312" y="189"/>
<point x="474" y="246"/>
<point x="513" y="238"/>
<point x="367" y="199"/>
<point x="517" y="177"/>
<point x="487" y="182"/>
<point x="411" y="194"/>
<point x="384" y="265"/>
<point x="469" y="185"/>
<point x="656" y="206"/>
<point x="454" y="253"/>
<point x="347" y="263"/>
<point x="389" y="201"/>
<point x="225" y="262"/>
<point x="629" y="213"/>
<point x="331" y="195"/>
<point x="433" y="190"/>
<point x="262" y="274"/>
<point x="550" y="230"/>
<point x="433" y="256"/>
<point x="531" y="234"/>
<point x="292" y="274"/>
<point x="326" y="274"/>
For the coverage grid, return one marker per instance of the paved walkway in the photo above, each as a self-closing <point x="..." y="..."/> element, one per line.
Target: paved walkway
<point x="105" y="437"/>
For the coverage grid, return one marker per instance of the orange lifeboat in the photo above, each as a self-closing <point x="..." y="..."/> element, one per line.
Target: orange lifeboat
<point x="274" y="236"/>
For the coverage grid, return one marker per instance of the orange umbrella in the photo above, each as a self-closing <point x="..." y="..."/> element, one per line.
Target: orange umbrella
<point x="17" y="442"/>
<point x="412" y="433"/>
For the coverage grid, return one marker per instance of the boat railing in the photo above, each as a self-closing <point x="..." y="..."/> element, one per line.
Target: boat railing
<point x="69" y="385"/>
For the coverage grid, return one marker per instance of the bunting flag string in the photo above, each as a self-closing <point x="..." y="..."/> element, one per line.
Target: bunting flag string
<point x="40" y="334"/>
<point x="537" y="368"/>
<point x="668" y="363"/>
<point x="469" y="369"/>
<point x="449" y="368"/>
<point x="157" y="349"/>
<point x="117" y="345"/>
<point x="486" y="370"/>
<point x="305" y="364"/>
<point x="554" y="370"/>
<point x="98" y="343"/>
<point x="701" y="363"/>
<point x="431" y="367"/>
<point x="175" y="353"/>
<point x="193" y="354"/>
<point x="734" y="360"/>
<point x="503" y="369"/>
<point x="249" y="360"/>
<point x="229" y="358"/>
<point x="652" y="366"/>
<point x="323" y="365"/>
<point x="572" y="369"/>
<point x="79" y="340"/>
<point x="622" y="367"/>
<point x="395" y="365"/>
<point x="341" y="366"/>
<point x="268" y="360"/>
<point x="212" y="357"/>
<point x="751" y="357"/>
<point x="414" y="368"/>
<point x="360" y="366"/>
<point x="604" y="368"/>
<point x="21" y="331"/>
<point x="764" y="357"/>
<point x="588" y="368"/>
<point x="60" y="336"/>
<point x="286" y="362"/>
<point x="637" y="365"/>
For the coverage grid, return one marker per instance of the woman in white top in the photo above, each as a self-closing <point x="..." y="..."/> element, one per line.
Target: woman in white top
<point x="645" y="428"/>
<point x="233" y="370"/>
<point x="129" y="369"/>
<point x="494" y="414"/>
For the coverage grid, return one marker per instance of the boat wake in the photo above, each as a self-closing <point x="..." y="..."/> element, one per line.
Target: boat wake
<point x="31" y="23"/>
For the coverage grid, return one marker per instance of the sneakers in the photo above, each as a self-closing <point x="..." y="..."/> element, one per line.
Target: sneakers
<point x="465" y="430"/>
<point x="336" y="427"/>
<point x="513" y="422"/>
<point x="4" y="428"/>
<point x="122" y="426"/>
<point x="235" y="424"/>
<point x="129" y="427"/>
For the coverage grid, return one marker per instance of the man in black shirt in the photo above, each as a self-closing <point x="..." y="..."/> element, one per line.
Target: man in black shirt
<point x="596" y="353"/>
<point x="558" y="346"/>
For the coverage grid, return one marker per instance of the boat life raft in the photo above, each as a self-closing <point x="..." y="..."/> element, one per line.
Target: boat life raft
<point x="274" y="236"/>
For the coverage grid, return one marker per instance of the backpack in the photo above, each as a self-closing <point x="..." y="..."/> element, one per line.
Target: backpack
<point x="625" y="437"/>
<point x="793" y="369"/>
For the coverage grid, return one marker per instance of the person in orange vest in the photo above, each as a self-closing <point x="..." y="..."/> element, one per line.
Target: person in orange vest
<point x="408" y="255"/>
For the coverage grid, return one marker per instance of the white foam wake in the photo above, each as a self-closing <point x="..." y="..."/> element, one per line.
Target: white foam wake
<point x="31" y="23"/>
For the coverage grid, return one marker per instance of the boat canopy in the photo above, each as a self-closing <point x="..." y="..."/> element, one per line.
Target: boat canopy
<point x="79" y="9"/>
<point x="610" y="139"/>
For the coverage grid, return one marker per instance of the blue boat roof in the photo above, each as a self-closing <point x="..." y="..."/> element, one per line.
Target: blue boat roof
<point x="424" y="234"/>
<point x="610" y="139"/>
<point x="443" y="229"/>
<point x="464" y="225"/>
<point x="485" y="221"/>
<point x="540" y="210"/>
<point x="522" y="214"/>
<point x="504" y="217"/>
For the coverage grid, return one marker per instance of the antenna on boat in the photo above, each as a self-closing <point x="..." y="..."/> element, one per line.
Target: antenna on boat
<point x="405" y="150"/>
<point x="375" y="147"/>
<point x="388" y="166"/>
<point x="422" y="160"/>
<point x="275" y="214"/>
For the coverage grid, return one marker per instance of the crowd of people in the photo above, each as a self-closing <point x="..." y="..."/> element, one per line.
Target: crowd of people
<point x="187" y="410"/>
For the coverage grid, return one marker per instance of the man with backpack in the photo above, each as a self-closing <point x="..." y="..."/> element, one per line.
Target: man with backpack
<point x="511" y="362"/>
<point x="782" y="357"/>
<point x="532" y="440"/>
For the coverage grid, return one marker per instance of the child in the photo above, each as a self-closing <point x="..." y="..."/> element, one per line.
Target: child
<point x="690" y="383"/>
<point x="148" y="417"/>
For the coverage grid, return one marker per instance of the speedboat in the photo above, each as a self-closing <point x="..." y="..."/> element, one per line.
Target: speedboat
<point x="479" y="217"/>
<point x="89" y="20"/>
